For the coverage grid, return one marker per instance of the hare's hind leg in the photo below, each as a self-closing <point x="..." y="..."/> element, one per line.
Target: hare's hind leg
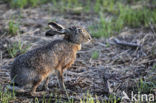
<point x="36" y="83"/>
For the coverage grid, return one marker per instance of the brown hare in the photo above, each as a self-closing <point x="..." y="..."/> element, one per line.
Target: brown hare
<point x="36" y="65"/>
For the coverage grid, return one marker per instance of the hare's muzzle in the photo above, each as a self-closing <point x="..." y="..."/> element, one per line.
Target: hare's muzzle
<point x="90" y="38"/>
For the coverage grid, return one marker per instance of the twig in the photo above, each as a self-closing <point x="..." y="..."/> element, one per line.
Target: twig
<point x="101" y="44"/>
<point x="1" y="57"/>
<point x="3" y="35"/>
<point x="124" y="43"/>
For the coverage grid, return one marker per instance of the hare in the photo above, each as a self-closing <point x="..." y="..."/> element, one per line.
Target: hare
<point x="36" y="65"/>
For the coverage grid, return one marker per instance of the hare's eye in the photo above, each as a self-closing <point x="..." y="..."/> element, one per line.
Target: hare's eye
<point x="80" y="30"/>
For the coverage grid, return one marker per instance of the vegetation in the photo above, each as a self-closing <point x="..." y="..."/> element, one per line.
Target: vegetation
<point x="121" y="17"/>
<point x="144" y="86"/>
<point x="13" y="28"/>
<point x="17" y="48"/>
<point x="7" y="96"/>
<point x="154" y="67"/>
<point x="95" y="55"/>
<point x="120" y="13"/>
<point x="23" y="3"/>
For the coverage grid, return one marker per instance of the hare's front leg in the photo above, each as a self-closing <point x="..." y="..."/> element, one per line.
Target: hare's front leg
<point x="60" y="79"/>
<point x="60" y="75"/>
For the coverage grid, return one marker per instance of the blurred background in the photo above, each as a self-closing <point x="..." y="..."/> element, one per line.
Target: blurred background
<point x="109" y="16"/>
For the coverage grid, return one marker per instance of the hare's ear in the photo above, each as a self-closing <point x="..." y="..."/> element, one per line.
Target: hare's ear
<point x="56" y="29"/>
<point x="50" y="33"/>
<point x="56" y="26"/>
<point x="54" y="32"/>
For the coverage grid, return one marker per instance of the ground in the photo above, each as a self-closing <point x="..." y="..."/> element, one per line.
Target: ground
<point x="104" y="68"/>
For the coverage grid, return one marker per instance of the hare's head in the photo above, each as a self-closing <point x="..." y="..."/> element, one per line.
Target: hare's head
<point x="73" y="34"/>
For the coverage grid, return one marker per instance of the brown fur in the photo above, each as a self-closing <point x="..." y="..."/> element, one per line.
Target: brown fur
<point x="36" y="65"/>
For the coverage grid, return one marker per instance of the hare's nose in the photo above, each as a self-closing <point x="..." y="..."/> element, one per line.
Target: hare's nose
<point x="90" y="38"/>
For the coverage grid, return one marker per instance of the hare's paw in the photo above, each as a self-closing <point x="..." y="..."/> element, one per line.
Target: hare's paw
<point x="37" y="94"/>
<point x="46" y="88"/>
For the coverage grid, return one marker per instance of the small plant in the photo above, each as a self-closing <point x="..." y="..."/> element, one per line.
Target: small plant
<point x="107" y="44"/>
<point x="13" y="28"/>
<point x="17" y="48"/>
<point x="95" y="55"/>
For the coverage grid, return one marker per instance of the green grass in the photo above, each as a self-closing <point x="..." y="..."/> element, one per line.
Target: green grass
<point x="6" y="96"/>
<point x="121" y="16"/>
<point x="112" y="99"/>
<point x="23" y="3"/>
<point x="89" y="98"/>
<point x="13" y="28"/>
<point x="109" y="6"/>
<point x="95" y="55"/>
<point x="60" y="5"/>
<point x="121" y="12"/>
<point x="102" y="29"/>
<point x="17" y="48"/>
<point x="134" y="17"/>
<point x="18" y="3"/>
<point x="145" y="86"/>
<point x="154" y="67"/>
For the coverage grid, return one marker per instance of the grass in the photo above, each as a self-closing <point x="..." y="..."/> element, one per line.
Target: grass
<point x="102" y="29"/>
<point x="123" y="13"/>
<point x="154" y="67"/>
<point x="13" y="28"/>
<point x="6" y="96"/>
<point x="23" y="3"/>
<point x="89" y="98"/>
<point x="134" y="17"/>
<point x="61" y="5"/>
<point x="122" y="16"/>
<point x="17" y="48"/>
<point x="112" y="99"/>
<point x="97" y="6"/>
<point x="95" y="55"/>
<point x="145" y="86"/>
